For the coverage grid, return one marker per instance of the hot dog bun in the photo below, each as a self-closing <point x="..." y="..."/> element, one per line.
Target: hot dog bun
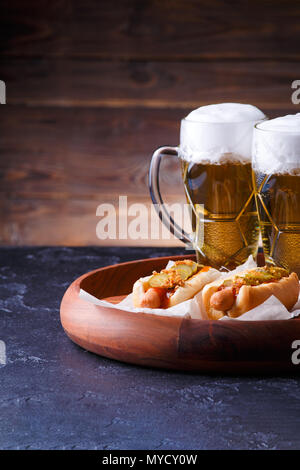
<point x="139" y="289"/>
<point x="285" y="289"/>
<point x="147" y="297"/>
<point x="193" y="285"/>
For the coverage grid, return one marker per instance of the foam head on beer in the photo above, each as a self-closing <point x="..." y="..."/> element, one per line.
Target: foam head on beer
<point x="276" y="145"/>
<point x="219" y="132"/>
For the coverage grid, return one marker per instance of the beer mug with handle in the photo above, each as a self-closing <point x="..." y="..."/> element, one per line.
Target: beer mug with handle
<point x="276" y="165"/>
<point x="215" y="157"/>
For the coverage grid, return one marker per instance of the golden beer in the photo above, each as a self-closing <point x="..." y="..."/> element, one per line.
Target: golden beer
<point x="215" y="154"/>
<point x="278" y="203"/>
<point x="276" y="164"/>
<point x="223" y="200"/>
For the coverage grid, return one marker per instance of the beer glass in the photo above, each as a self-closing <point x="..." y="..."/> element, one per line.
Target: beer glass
<point x="276" y="164"/>
<point x="215" y="157"/>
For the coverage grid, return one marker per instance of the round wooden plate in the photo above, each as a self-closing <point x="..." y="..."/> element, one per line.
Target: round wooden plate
<point x="171" y="342"/>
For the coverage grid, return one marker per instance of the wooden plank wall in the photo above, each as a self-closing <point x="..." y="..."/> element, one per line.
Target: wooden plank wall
<point x="93" y="87"/>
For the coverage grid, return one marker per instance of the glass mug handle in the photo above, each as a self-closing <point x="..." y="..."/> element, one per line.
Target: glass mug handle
<point x="156" y="197"/>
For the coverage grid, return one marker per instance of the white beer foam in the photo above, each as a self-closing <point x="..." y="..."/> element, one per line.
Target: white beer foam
<point x="276" y="145"/>
<point x="219" y="132"/>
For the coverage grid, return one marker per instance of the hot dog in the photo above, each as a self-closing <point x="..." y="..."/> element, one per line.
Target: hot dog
<point x="172" y="286"/>
<point x="235" y="295"/>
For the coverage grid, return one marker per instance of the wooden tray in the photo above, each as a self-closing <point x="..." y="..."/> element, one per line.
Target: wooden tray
<point x="170" y="342"/>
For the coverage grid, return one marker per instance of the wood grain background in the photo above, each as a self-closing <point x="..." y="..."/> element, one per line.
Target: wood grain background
<point x="93" y="87"/>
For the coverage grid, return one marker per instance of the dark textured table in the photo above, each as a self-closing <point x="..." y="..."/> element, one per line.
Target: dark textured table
<point x="55" y="395"/>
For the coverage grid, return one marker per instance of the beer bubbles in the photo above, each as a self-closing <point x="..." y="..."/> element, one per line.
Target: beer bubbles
<point x="276" y="145"/>
<point x="219" y="132"/>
